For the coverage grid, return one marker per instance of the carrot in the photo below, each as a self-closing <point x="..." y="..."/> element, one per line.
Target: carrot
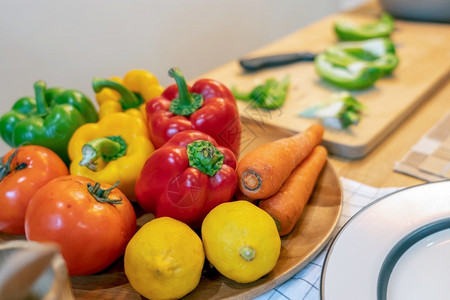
<point x="287" y="205"/>
<point x="262" y="171"/>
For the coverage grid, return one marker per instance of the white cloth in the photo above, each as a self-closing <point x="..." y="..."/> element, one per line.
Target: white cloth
<point x="305" y="285"/>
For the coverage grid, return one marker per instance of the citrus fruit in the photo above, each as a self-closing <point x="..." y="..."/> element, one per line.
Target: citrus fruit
<point x="164" y="259"/>
<point x="241" y="241"/>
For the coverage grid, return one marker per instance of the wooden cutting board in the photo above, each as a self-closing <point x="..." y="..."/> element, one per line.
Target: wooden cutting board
<point x="424" y="53"/>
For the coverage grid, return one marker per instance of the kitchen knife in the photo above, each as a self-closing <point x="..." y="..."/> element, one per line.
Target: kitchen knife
<point x="257" y="63"/>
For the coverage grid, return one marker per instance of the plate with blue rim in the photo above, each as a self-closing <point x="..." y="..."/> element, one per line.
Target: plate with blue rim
<point x="398" y="247"/>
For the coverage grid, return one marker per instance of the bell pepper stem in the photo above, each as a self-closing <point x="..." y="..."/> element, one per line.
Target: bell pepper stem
<point x="127" y="98"/>
<point x="101" y="195"/>
<point x="108" y="148"/>
<point x="39" y="90"/>
<point x="205" y="157"/>
<point x="187" y="102"/>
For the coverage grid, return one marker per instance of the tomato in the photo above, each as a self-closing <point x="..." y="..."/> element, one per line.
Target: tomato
<point x="22" y="172"/>
<point x="91" y="222"/>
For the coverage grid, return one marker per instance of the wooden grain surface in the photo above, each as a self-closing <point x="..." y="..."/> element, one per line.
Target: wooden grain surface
<point x="423" y="49"/>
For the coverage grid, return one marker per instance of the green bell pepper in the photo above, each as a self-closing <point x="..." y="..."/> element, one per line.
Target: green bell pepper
<point x="48" y="120"/>
<point x="357" y="65"/>
<point x="347" y="31"/>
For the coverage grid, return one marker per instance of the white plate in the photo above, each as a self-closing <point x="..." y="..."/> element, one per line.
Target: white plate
<point x="370" y="256"/>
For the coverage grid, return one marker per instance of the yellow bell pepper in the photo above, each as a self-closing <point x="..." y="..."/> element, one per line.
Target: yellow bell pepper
<point x="113" y="149"/>
<point x="112" y="95"/>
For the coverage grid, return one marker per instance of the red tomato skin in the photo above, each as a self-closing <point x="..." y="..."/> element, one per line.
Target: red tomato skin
<point x="91" y="235"/>
<point x="17" y="188"/>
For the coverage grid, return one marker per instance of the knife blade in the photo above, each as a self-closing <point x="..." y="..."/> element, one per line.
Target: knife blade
<point x="258" y="63"/>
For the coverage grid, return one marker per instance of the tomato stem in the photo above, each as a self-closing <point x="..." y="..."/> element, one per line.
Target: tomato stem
<point x="5" y="169"/>
<point x="20" y="166"/>
<point x="101" y="195"/>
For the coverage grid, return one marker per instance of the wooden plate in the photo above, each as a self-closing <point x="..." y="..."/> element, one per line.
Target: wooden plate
<point x="298" y="248"/>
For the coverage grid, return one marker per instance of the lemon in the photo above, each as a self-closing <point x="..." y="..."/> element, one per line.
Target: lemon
<point x="164" y="259"/>
<point x="241" y="241"/>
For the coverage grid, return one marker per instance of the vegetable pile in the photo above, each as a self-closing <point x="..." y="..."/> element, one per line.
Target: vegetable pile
<point x="78" y="177"/>
<point x="170" y="152"/>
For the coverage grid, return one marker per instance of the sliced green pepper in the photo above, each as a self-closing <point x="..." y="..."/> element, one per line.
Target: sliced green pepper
<point x="340" y="111"/>
<point x="356" y="75"/>
<point x="357" y="65"/>
<point x="47" y="120"/>
<point x="347" y="31"/>
<point x="378" y="53"/>
<point x="269" y="95"/>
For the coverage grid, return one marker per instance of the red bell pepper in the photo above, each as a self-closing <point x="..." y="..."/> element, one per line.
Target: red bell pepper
<point x="208" y="106"/>
<point x="187" y="177"/>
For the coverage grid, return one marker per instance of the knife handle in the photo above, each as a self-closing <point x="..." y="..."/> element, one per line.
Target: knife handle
<point x="257" y="63"/>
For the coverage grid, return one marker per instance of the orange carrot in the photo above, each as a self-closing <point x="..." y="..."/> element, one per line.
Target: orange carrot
<point x="262" y="171"/>
<point x="287" y="205"/>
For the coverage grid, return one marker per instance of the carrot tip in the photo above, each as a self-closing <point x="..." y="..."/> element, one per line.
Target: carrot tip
<point x="251" y="181"/>
<point x="277" y="223"/>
